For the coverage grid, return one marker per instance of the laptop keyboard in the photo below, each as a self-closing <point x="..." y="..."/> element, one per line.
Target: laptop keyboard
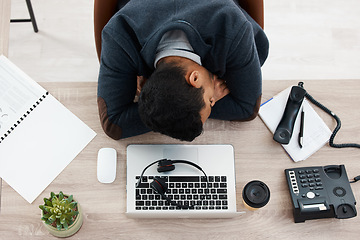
<point x="185" y="190"/>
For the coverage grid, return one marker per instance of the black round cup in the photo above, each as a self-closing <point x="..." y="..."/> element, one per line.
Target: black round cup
<point x="256" y="194"/>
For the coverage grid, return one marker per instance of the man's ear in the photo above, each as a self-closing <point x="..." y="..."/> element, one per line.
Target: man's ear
<point x="194" y="79"/>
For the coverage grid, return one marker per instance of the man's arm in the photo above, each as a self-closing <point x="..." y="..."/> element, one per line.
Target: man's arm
<point x="243" y="79"/>
<point x="117" y="86"/>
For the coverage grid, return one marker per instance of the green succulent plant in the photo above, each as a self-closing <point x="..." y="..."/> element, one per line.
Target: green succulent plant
<point x="59" y="210"/>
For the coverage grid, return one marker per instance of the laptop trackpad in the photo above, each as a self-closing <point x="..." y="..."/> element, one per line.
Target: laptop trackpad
<point x="189" y="153"/>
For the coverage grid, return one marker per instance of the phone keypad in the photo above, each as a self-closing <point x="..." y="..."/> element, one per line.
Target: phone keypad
<point x="308" y="183"/>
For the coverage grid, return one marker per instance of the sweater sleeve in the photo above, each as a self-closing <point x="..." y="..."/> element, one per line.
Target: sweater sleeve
<point x="117" y="87"/>
<point x="243" y="78"/>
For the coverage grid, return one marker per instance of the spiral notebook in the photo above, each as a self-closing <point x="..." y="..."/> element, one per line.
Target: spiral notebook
<point x="39" y="137"/>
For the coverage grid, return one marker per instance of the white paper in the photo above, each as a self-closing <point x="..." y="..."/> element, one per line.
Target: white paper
<point x="18" y="93"/>
<point x="316" y="133"/>
<point x="41" y="146"/>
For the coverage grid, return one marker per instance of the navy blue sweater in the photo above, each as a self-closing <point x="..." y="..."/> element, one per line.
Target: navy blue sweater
<point x="230" y="43"/>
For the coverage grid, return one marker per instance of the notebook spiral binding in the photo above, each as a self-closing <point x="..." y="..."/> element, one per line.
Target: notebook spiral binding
<point x="7" y="133"/>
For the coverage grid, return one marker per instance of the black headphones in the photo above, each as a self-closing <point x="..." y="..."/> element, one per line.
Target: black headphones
<point x="159" y="185"/>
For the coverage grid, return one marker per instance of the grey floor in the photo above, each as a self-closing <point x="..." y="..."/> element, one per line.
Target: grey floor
<point x="308" y="40"/>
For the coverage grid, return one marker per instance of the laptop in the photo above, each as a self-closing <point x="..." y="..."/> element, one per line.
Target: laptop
<point x="210" y="193"/>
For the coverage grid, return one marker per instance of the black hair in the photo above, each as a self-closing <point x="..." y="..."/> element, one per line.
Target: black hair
<point x="171" y="106"/>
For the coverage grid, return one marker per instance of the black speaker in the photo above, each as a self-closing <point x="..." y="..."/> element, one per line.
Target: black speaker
<point x="339" y="191"/>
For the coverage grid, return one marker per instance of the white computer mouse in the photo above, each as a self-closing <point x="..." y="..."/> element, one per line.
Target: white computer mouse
<point x="106" y="165"/>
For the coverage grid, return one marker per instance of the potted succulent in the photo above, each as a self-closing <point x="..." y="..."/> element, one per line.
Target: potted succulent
<point x="61" y="214"/>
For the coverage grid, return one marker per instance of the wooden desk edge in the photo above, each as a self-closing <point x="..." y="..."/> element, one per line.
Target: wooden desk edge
<point x="5" y="11"/>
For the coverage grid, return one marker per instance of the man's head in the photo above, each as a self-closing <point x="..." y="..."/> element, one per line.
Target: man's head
<point x="177" y="99"/>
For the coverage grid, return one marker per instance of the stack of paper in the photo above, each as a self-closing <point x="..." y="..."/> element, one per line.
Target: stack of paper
<point x="39" y="137"/>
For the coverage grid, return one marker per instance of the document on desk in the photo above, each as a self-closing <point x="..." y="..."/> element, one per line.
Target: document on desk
<point x="315" y="132"/>
<point x="39" y="137"/>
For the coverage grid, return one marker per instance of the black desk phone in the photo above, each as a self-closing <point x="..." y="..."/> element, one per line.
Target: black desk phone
<point x="320" y="192"/>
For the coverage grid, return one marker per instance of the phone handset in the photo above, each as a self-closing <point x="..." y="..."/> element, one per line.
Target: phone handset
<point x="285" y="128"/>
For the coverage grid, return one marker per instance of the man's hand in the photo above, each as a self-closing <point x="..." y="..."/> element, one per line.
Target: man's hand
<point x="220" y="88"/>
<point x="140" y="83"/>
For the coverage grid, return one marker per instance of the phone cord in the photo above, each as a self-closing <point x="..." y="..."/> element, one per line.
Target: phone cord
<point x="338" y="123"/>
